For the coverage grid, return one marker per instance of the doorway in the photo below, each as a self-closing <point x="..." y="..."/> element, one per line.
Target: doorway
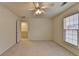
<point x="21" y="30"/>
<point x="24" y="30"/>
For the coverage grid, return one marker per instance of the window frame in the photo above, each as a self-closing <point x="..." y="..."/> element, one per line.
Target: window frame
<point x="69" y="44"/>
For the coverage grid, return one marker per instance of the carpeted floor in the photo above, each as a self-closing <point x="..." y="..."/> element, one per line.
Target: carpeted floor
<point x="37" y="48"/>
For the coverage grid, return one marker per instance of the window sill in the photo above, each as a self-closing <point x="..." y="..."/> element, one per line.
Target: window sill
<point x="71" y="45"/>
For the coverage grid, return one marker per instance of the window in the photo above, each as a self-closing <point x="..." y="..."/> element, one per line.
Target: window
<point x="71" y="29"/>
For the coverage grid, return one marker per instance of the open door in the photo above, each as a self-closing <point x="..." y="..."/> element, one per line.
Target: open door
<point x="18" y="31"/>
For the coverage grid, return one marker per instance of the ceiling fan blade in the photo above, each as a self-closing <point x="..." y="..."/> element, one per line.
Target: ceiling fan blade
<point x="30" y="9"/>
<point x="44" y="7"/>
<point x="36" y="5"/>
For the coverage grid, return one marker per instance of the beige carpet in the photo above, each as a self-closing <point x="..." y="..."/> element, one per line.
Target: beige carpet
<point x="37" y="48"/>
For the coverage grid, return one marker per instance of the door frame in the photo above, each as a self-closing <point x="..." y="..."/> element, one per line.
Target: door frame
<point x="18" y="29"/>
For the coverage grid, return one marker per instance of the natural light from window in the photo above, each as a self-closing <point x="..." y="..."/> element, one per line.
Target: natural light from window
<point x="71" y="29"/>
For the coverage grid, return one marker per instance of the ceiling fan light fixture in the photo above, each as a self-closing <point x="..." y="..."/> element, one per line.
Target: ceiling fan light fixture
<point x="39" y="11"/>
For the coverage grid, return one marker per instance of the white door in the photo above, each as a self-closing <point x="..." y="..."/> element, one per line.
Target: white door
<point x="18" y="31"/>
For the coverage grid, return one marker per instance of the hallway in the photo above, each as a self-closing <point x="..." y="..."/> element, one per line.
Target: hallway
<point x="37" y="48"/>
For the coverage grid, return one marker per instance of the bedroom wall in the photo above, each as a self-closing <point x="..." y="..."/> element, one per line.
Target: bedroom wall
<point x="40" y="29"/>
<point x="7" y="29"/>
<point x="58" y="28"/>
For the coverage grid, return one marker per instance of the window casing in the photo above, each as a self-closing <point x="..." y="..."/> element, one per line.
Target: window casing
<point x="71" y="29"/>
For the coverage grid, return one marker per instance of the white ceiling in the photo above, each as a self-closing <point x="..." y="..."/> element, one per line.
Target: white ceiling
<point x="21" y="9"/>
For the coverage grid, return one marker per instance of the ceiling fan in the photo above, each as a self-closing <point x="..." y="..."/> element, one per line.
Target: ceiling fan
<point x="39" y="7"/>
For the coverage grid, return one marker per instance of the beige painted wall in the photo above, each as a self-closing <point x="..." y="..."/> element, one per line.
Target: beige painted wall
<point x="40" y="29"/>
<point x="7" y="29"/>
<point x="58" y="28"/>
